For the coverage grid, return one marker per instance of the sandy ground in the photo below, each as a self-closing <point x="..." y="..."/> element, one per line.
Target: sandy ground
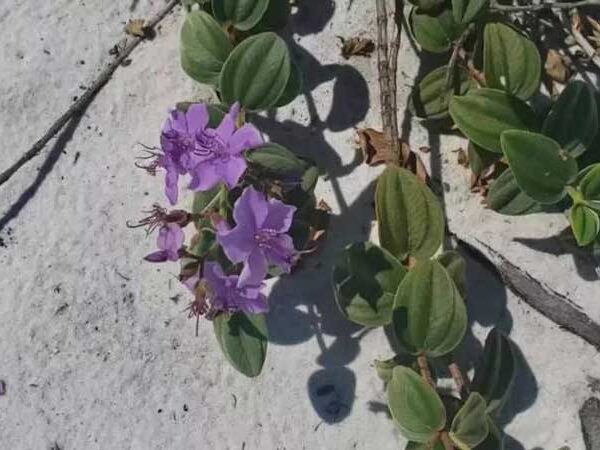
<point x="95" y="348"/>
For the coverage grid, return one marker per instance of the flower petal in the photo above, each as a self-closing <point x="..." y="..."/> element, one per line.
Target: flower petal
<point x="255" y="269"/>
<point x="237" y="243"/>
<point x="281" y="252"/>
<point x="175" y="122"/>
<point x="157" y="257"/>
<point x="170" y="239"/>
<point x="197" y="117"/>
<point x="250" y="208"/>
<point x="227" y="126"/>
<point x="231" y="170"/>
<point x="172" y="184"/>
<point x="214" y="276"/>
<point x="253" y="302"/>
<point x="245" y="138"/>
<point x="204" y="177"/>
<point x="279" y="217"/>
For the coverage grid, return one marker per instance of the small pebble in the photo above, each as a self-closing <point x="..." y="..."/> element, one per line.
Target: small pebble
<point x="2" y="387"/>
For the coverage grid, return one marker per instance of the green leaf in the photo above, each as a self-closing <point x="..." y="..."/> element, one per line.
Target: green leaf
<point x="429" y="314"/>
<point x="243" y="14"/>
<point x="506" y="197"/>
<point x="292" y="88"/>
<point x="203" y="201"/>
<point x="484" y="114"/>
<point x="411" y="221"/>
<point x="438" y="445"/>
<point x="456" y="267"/>
<point x="541" y="168"/>
<point x="464" y="11"/>
<point x="494" y="376"/>
<point x="429" y="99"/>
<point x="427" y="5"/>
<point x="573" y="119"/>
<point x="585" y="224"/>
<point x="470" y="425"/>
<point x="203" y="242"/>
<point x="435" y="32"/>
<point x="277" y="159"/>
<point x="310" y="179"/>
<point x="204" y="47"/>
<point x="275" y="18"/>
<point x="385" y="368"/>
<point x="243" y="340"/>
<point x="480" y="158"/>
<point x="365" y="279"/>
<point x="590" y="184"/>
<point x="416" y="407"/>
<point x="495" y="438"/>
<point x="256" y="72"/>
<point x="510" y="61"/>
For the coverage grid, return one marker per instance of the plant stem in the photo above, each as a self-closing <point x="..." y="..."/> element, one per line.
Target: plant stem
<point x="460" y="380"/>
<point x="385" y="82"/>
<point x="424" y="369"/>
<point x="454" y="57"/>
<point x="86" y="98"/>
<point x="540" y="6"/>
<point x="395" y="49"/>
<point x="448" y="445"/>
<point x="583" y="42"/>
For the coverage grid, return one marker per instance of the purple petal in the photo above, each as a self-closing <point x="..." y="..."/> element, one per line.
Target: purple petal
<point x="215" y="278"/>
<point x="279" y="217"/>
<point x="281" y="252"/>
<point x="157" y="257"/>
<point x="255" y="269"/>
<point x="170" y="239"/>
<point x="232" y="170"/>
<point x="250" y="208"/>
<point x="245" y="138"/>
<point x="254" y="303"/>
<point x="171" y="184"/>
<point x="197" y="117"/>
<point x="227" y="126"/>
<point x="176" y="122"/>
<point x="238" y="243"/>
<point x="204" y="177"/>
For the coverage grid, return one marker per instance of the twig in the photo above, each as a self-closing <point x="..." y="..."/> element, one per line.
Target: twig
<point x="445" y="438"/>
<point x="460" y="381"/>
<point x="454" y="57"/>
<point x="424" y="369"/>
<point x="86" y="98"/>
<point x="539" y="6"/>
<point x="395" y="49"/>
<point x="385" y="90"/>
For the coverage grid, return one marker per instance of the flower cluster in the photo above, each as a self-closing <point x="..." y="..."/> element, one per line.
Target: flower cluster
<point x="255" y="239"/>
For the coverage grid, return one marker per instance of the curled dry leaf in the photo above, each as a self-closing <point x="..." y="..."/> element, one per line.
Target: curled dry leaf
<point x="319" y="222"/>
<point x="374" y="146"/>
<point x="462" y="157"/>
<point x="137" y="27"/>
<point x="555" y="67"/>
<point x="356" y="46"/>
<point x="414" y="163"/>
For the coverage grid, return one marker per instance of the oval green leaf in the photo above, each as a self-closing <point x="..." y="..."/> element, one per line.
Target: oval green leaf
<point x="506" y="197"/>
<point x="438" y="445"/>
<point x="541" y="168"/>
<point x="495" y="438"/>
<point x="275" y="18"/>
<point x="430" y="98"/>
<point x="510" y="61"/>
<point x="243" y="14"/>
<point x="410" y="218"/>
<point x="277" y="159"/>
<point x="292" y="88"/>
<point x="456" y="267"/>
<point x="256" y="72"/>
<point x="415" y="406"/>
<point x="573" y="119"/>
<point x="495" y="374"/>
<point x="470" y="425"/>
<point x="484" y="114"/>
<point x="429" y="314"/>
<point x="590" y="184"/>
<point x="365" y="279"/>
<point x="204" y="47"/>
<point x="480" y="158"/>
<point x="585" y="224"/>
<point x="435" y="32"/>
<point x="243" y="340"/>
<point x="464" y="11"/>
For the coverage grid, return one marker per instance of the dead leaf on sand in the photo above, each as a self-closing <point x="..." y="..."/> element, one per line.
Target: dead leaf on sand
<point x="356" y="46"/>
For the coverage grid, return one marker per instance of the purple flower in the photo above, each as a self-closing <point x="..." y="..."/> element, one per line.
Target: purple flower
<point x="224" y="294"/>
<point x="209" y="155"/>
<point x="259" y="237"/>
<point x="169" y="241"/>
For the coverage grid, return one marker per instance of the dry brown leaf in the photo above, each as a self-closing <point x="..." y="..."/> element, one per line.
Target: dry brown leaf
<point x="374" y="146"/>
<point x="356" y="46"/>
<point x="424" y="149"/>
<point x="136" y="27"/>
<point x="414" y="163"/>
<point x="555" y="66"/>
